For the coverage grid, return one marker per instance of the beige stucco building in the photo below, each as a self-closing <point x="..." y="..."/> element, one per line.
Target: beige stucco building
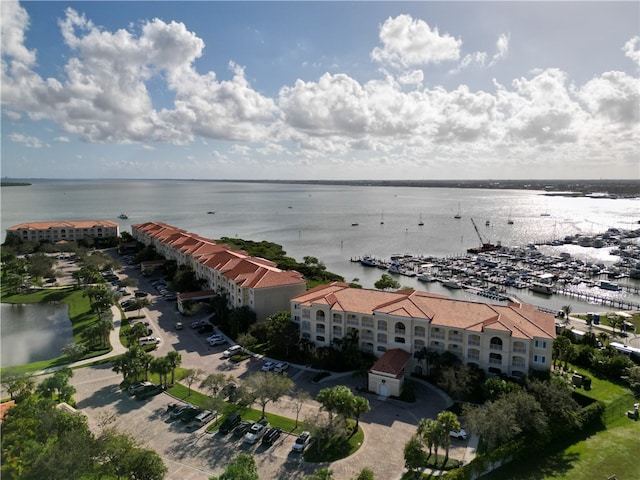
<point x="246" y="281"/>
<point x="511" y="339"/>
<point x="67" y="230"/>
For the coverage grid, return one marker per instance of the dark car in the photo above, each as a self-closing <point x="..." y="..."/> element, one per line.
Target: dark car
<point x="189" y="414"/>
<point x="206" y="328"/>
<point x="230" y="422"/>
<point x="271" y="436"/>
<point x="243" y="427"/>
<point x="141" y="294"/>
<point x="148" y="391"/>
<point x="178" y="409"/>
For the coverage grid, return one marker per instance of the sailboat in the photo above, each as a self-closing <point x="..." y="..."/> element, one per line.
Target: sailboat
<point x="510" y="220"/>
<point x="420" y="223"/>
<point x="546" y="211"/>
<point x="457" y="215"/>
<point x="382" y="218"/>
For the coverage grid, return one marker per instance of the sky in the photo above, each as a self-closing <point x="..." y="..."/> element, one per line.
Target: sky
<point x="335" y="90"/>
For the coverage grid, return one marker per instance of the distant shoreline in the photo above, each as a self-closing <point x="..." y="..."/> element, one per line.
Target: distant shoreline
<point x="622" y="188"/>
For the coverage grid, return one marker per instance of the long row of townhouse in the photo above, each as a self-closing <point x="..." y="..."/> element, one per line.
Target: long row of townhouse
<point x="245" y="280"/>
<point x="501" y="339"/>
<point x="65" y="230"/>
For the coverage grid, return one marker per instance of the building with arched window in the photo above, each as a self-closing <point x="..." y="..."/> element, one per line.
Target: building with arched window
<point x="508" y="339"/>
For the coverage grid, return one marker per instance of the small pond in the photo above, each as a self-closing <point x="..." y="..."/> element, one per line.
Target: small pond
<point x="33" y="332"/>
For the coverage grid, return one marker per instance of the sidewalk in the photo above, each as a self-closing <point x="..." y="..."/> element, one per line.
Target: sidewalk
<point x="114" y="339"/>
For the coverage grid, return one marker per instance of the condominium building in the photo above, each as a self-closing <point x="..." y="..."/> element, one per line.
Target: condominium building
<point x="502" y="339"/>
<point x="67" y="230"/>
<point x="244" y="280"/>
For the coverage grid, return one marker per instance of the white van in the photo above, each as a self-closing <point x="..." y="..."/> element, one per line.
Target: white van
<point x="149" y="341"/>
<point x="231" y="351"/>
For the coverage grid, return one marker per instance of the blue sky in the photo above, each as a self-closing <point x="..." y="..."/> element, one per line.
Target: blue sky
<point x="320" y="90"/>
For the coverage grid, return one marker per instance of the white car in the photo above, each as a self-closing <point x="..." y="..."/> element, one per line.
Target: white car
<point x="461" y="434"/>
<point x="256" y="432"/>
<point x="231" y="351"/>
<point x="280" y="367"/>
<point x="215" y="336"/>
<point x="301" y="442"/>
<point x="215" y="341"/>
<point x="268" y="366"/>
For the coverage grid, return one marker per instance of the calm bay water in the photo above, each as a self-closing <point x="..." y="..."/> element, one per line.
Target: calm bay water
<point x="33" y="332"/>
<point x="317" y="220"/>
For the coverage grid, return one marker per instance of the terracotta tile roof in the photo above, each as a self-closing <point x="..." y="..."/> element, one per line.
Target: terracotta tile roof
<point x="4" y="407"/>
<point x="523" y="321"/>
<point x="64" y="224"/>
<point x="392" y="362"/>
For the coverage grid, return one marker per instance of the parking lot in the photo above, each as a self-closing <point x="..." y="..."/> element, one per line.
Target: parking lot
<point x="195" y="454"/>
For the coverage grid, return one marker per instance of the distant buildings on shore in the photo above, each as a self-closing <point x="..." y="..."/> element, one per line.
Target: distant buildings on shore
<point x="66" y="230"/>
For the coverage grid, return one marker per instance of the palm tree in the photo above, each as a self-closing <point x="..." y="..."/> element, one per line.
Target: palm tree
<point x="160" y="365"/>
<point x="566" y="309"/>
<point x="449" y="423"/>
<point x="560" y="346"/>
<point x="604" y="338"/>
<point x="427" y="432"/>
<point x="174" y="359"/>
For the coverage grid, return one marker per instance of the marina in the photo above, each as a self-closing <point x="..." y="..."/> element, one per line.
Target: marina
<point x="500" y="272"/>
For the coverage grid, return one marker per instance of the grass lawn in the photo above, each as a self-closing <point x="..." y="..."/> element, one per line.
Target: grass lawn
<point x="614" y="451"/>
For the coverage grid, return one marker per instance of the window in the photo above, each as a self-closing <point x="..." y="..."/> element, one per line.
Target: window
<point x="541" y="344"/>
<point x="399" y="339"/>
<point x="319" y="338"/>
<point x="319" y="316"/>
<point x="400" y="330"/>
<point x="539" y="359"/>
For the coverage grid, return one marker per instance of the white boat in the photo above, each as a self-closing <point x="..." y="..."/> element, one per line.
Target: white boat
<point x="426" y="277"/>
<point x="457" y="215"/>
<point x="123" y="216"/>
<point x="420" y="223"/>
<point x="541" y="288"/>
<point x="451" y="284"/>
<point x="614" y="287"/>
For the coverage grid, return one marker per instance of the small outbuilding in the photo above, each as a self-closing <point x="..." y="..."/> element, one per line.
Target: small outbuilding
<point x="386" y="376"/>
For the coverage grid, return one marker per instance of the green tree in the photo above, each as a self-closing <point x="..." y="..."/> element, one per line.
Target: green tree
<point x="162" y="367"/>
<point x="359" y="407"/>
<point x="19" y="384"/>
<point x="414" y="458"/>
<point x="192" y="375"/>
<point x="429" y="433"/>
<point x="243" y="467"/>
<point x="74" y="351"/>
<point x="282" y="332"/>
<point x="365" y="474"/>
<point x="300" y="397"/>
<point x="267" y="387"/>
<point x="387" y="282"/>
<point x="448" y="421"/>
<point x="336" y="400"/>
<point x="321" y="474"/>
<point x="58" y="383"/>
<point x="175" y="360"/>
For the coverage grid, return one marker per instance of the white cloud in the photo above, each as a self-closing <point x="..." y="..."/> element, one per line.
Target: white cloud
<point x="408" y="42"/>
<point x="614" y="97"/>
<point x="14" y="21"/>
<point x="62" y="139"/>
<point x="502" y="49"/>
<point x="632" y="51"/>
<point x="28" y="141"/>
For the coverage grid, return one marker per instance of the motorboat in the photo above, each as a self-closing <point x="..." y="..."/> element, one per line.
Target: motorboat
<point x="123" y="216"/>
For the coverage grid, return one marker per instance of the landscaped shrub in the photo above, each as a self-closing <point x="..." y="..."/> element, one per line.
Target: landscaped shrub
<point x="591" y="414"/>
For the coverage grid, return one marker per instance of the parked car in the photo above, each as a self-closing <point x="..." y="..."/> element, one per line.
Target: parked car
<point x="134" y="387"/>
<point x="170" y="297"/>
<point x="256" y="432"/>
<point x="228" y="389"/>
<point x="217" y="341"/>
<point x="206" y="328"/>
<point x="177" y="411"/>
<point x="148" y="391"/>
<point x="215" y="336"/>
<point x="140" y="294"/>
<point x="268" y="366"/>
<point x="242" y="428"/>
<point x="301" y="442"/>
<point x="149" y="341"/>
<point x="198" y="324"/>
<point x="189" y="414"/>
<point x="281" y="367"/>
<point x="179" y="326"/>
<point x="230" y="422"/>
<point x="271" y="436"/>
<point x="204" y="417"/>
<point x="231" y="351"/>
<point x="460" y="434"/>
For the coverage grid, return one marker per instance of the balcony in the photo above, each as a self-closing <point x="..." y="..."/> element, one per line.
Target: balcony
<point x="495" y="361"/>
<point x="455" y="338"/>
<point x="353" y="322"/>
<point x="367" y="324"/>
<point x="437" y="336"/>
<point x="382" y="327"/>
<point x="474" y="342"/>
<point x="496" y="347"/>
<point x="520" y="349"/>
<point x="420" y="333"/>
<point x="400" y="331"/>
<point x="518" y="365"/>
<point x="473" y="357"/>
<point x="366" y="337"/>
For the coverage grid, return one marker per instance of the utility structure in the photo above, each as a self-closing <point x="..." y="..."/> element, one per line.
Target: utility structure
<point x="485" y="246"/>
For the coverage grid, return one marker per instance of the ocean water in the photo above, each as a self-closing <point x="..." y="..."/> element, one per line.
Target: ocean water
<point x="318" y="220"/>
